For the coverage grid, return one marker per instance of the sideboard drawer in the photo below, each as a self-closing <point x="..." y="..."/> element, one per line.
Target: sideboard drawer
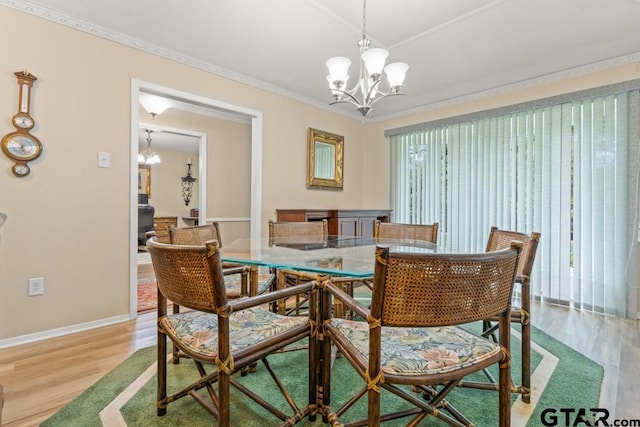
<point x="162" y="224"/>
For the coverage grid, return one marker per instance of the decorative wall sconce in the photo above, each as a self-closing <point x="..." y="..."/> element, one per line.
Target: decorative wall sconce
<point x="187" y="184"/>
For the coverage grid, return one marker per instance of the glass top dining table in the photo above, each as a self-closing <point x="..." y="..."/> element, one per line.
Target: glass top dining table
<point x="337" y="255"/>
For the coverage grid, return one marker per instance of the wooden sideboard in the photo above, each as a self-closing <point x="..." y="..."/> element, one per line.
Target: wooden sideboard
<point x="162" y="224"/>
<point x="342" y="222"/>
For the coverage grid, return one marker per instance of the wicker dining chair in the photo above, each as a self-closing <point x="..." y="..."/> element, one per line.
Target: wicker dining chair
<point x="412" y="334"/>
<point x="500" y="239"/>
<point x="225" y="334"/>
<point x="258" y="281"/>
<point x="393" y="230"/>
<point x="301" y="235"/>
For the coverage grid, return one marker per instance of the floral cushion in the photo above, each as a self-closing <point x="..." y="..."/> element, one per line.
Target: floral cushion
<point x="419" y="351"/>
<point x="199" y="331"/>
<point x="233" y="284"/>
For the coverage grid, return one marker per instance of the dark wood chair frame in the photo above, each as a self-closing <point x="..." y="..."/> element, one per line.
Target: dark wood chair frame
<point x="499" y="239"/>
<point x="398" y="275"/>
<point x="198" y="284"/>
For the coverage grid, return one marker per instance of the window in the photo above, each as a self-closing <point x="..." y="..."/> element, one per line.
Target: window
<point x="566" y="167"/>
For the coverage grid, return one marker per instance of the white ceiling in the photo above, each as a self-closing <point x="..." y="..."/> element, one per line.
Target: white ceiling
<point x="456" y="49"/>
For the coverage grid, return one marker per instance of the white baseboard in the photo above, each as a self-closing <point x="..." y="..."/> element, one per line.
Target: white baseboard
<point x="52" y="333"/>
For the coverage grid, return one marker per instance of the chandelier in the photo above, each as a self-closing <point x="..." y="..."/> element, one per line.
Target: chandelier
<point x="148" y="157"/>
<point x="371" y="66"/>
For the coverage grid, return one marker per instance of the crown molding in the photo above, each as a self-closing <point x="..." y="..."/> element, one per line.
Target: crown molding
<point x="80" y="25"/>
<point x="548" y="78"/>
<point x="77" y="24"/>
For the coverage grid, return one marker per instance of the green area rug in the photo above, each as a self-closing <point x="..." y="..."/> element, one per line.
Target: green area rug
<point x="559" y="372"/>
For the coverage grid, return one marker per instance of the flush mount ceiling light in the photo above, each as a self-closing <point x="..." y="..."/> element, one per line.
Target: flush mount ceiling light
<point x="148" y="157"/>
<point x="155" y="105"/>
<point x="371" y="66"/>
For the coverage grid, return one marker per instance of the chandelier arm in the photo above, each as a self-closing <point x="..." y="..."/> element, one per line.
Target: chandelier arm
<point x="353" y="100"/>
<point x="346" y="101"/>
<point x="368" y="99"/>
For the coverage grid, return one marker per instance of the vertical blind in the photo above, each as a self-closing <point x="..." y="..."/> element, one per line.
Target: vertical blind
<point x="325" y="162"/>
<point x="568" y="171"/>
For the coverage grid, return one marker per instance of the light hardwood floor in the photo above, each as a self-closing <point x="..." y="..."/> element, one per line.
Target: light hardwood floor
<point x="42" y="377"/>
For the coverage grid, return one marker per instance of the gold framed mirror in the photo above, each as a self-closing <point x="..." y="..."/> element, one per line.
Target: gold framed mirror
<point x="144" y="180"/>
<point x="324" y="160"/>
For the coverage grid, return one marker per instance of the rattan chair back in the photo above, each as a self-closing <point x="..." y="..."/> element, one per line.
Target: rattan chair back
<point x="231" y="336"/>
<point x="298" y="232"/>
<point x="190" y="276"/>
<point x="500" y="239"/>
<point x="422" y="290"/>
<point x="431" y="296"/>
<point x="196" y="235"/>
<point x="391" y="230"/>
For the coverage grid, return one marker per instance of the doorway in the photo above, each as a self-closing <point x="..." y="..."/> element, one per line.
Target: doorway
<point x="198" y="102"/>
<point x="159" y="195"/>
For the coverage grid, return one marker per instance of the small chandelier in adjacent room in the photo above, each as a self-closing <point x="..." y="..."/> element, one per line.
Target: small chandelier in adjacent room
<point x="148" y="157"/>
<point x="187" y="184"/>
<point x="371" y="67"/>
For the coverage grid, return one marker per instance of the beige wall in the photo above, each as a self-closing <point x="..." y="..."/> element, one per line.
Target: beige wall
<point x="228" y="173"/>
<point x="166" y="185"/>
<point x="69" y="220"/>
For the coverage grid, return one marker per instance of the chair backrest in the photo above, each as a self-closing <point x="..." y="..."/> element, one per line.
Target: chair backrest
<point x="190" y="276"/>
<point x="437" y="289"/>
<point x="195" y="235"/>
<point x="500" y="239"/>
<point x="392" y="230"/>
<point x="298" y="232"/>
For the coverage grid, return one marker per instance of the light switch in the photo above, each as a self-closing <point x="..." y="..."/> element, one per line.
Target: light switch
<point x="104" y="160"/>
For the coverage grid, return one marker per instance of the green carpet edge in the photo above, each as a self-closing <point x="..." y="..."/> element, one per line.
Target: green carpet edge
<point x="561" y="391"/>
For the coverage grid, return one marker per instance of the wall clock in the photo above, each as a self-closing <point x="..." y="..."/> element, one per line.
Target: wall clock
<point x="20" y="146"/>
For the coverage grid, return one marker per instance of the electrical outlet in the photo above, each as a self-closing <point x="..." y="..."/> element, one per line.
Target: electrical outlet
<point x="36" y="286"/>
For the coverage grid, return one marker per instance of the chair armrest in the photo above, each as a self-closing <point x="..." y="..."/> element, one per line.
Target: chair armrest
<point x="244" y="303"/>
<point x="226" y="264"/>
<point x="350" y="302"/>
<point x="235" y="270"/>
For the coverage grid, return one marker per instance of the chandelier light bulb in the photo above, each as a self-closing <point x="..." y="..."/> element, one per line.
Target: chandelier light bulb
<point x="374" y="60"/>
<point x="396" y="73"/>
<point x="338" y="67"/>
